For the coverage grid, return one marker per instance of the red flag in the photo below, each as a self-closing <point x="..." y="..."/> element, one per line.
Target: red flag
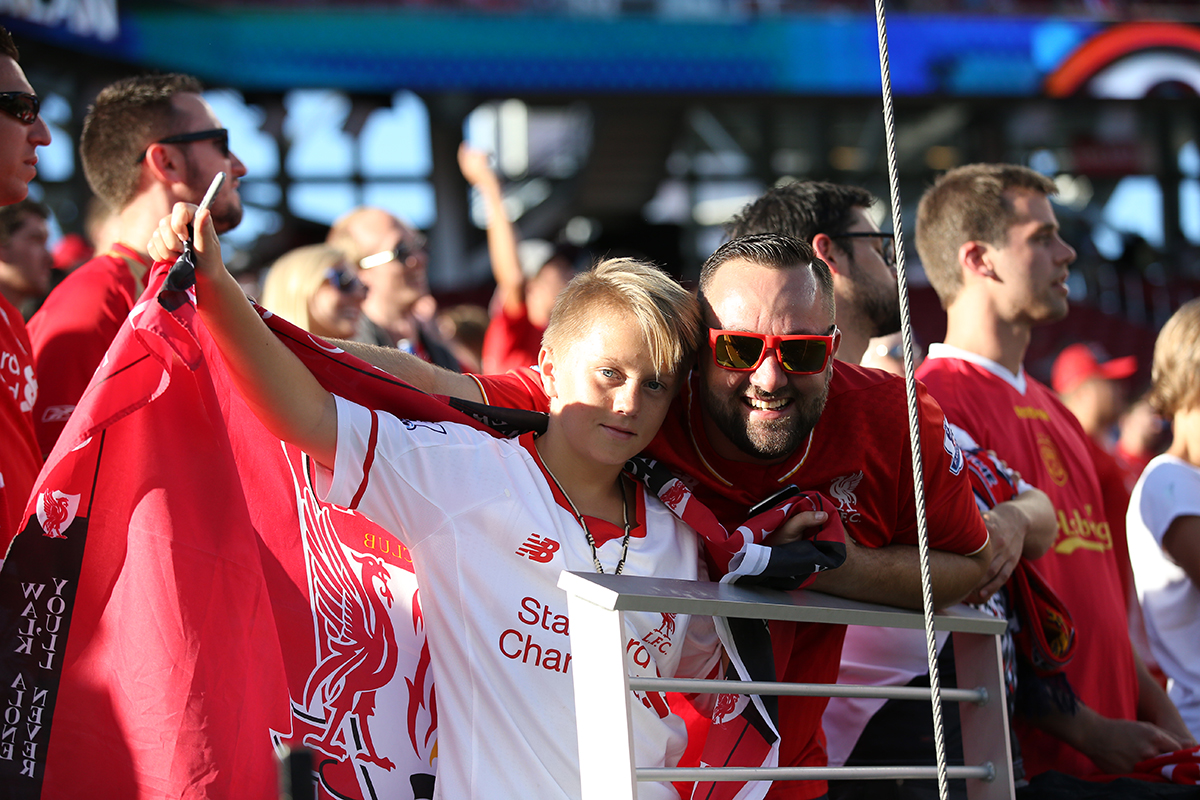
<point x="179" y="603"/>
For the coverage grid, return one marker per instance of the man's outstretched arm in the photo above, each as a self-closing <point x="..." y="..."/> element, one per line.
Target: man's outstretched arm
<point x="892" y="575"/>
<point x="413" y="371"/>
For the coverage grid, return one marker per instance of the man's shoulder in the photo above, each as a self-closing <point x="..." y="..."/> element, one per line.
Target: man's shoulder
<point x="856" y="390"/>
<point x="85" y="294"/>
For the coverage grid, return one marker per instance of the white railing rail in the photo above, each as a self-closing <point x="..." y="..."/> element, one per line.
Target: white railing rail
<point x="602" y="686"/>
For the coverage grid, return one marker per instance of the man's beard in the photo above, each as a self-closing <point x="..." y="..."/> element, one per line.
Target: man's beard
<point x="226" y="207"/>
<point x="769" y="440"/>
<point x="883" y="311"/>
<point x="878" y="303"/>
<point x="227" y="215"/>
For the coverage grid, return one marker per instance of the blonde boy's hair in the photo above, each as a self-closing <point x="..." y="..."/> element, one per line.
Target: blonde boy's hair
<point x="666" y="313"/>
<point x="1176" y="370"/>
<point x="295" y="277"/>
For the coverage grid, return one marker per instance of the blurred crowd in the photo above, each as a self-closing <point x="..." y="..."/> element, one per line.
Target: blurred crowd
<point x="1132" y="449"/>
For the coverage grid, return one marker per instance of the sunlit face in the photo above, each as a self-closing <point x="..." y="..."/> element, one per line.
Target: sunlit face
<point x="206" y="158"/>
<point x="25" y="270"/>
<point x="607" y="399"/>
<point x="397" y="282"/>
<point x="1031" y="268"/>
<point x="18" y="141"/>
<point x="872" y="281"/>
<point x="335" y="307"/>
<point x="544" y="288"/>
<point x="767" y="413"/>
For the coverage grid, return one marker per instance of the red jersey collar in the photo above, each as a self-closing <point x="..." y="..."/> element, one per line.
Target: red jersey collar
<point x="602" y="530"/>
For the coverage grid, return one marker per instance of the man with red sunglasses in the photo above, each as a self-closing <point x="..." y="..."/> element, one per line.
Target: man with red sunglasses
<point x="836" y="220"/>
<point x="766" y="407"/>
<point x="22" y="131"/>
<point x="147" y="142"/>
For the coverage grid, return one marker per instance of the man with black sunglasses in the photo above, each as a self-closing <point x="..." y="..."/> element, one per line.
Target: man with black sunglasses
<point x="147" y="142"/>
<point x="765" y="407"/>
<point x="835" y="220"/>
<point x="22" y="131"/>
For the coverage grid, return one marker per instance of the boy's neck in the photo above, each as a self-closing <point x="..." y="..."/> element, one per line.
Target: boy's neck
<point x="594" y="489"/>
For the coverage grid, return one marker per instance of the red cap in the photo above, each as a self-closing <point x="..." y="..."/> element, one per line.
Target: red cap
<point x="1079" y="362"/>
<point x="71" y="251"/>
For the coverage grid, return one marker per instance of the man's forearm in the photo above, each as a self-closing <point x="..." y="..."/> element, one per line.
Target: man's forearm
<point x="892" y="575"/>
<point x="413" y="371"/>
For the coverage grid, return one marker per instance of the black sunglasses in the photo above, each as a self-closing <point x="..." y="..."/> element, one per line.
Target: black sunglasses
<point x="21" y="105"/>
<point x="887" y="243"/>
<point x="220" y="136"/>
<point x="343" y="280"/>
<point x="408" y="247"/>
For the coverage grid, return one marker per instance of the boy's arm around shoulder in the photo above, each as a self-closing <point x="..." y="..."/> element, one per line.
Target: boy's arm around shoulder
<point x="276" y="385"/>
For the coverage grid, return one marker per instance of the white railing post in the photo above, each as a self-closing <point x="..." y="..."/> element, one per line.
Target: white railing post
<point x="985" y="732"/>
<point x="606" y="766"/>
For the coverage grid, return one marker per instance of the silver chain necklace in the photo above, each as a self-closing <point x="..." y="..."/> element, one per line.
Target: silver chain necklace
<point x="590" y="540"/>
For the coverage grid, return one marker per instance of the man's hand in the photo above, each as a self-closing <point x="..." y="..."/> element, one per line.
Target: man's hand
<point x="1006" y="529"/>
<point x="794" y="528"/>
<point x="1116" y="745"/>
<point x="166" y="243"/>
<point x="475" y="167"/>
<point x="1023" y="527"/>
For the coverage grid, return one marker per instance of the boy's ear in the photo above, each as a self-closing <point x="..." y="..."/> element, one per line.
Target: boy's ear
<point x="546" y="367"/>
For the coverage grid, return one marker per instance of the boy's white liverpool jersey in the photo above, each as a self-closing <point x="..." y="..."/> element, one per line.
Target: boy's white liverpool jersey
<point x="489" y="536"/>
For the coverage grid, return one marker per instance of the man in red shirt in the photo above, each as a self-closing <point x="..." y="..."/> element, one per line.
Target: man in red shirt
<point x="740" y="434"/>
<point x="147" y="142"/>
<point x="22" y="131"/>
<point x="990" y="244"/>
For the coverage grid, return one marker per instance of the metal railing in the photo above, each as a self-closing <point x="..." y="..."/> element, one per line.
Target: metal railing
<point x="595" y="605"/>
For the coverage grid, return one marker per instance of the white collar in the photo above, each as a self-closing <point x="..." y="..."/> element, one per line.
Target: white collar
<point x="1017" y="381"/>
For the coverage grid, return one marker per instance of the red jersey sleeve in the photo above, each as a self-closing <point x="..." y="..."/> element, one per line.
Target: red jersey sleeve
<point x="955" y="524"/>
<point x="517" y="388"/>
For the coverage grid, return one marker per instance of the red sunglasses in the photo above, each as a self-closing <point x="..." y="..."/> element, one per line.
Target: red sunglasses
<point x="799" y="354"/>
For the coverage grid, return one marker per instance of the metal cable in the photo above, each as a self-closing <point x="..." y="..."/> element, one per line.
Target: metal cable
<point x="910" y="382"/>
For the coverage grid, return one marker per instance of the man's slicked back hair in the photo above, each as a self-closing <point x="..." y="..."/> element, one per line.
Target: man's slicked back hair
<point x="127" y="117"/>
<point x="801" y="210"/>
<point x="772" y="250"/>
<point x="7" y="46"/>
<point x="666" y="313"/>
<point x="968" y="204"/>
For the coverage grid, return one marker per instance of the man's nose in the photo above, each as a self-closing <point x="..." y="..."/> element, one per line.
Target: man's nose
<point x="769" y="377"/>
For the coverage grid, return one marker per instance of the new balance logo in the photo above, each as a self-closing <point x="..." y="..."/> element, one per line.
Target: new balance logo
<point x="538" y="548"/>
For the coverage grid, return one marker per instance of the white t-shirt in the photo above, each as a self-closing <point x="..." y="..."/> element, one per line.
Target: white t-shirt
<point x="489" y="538"/>
<point x="1167" y="489"/>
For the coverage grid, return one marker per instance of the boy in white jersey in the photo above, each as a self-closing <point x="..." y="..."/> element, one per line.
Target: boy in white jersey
<point x="491" y="523"/>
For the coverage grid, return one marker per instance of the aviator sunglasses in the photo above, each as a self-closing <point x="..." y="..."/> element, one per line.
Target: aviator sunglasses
<point x="23" y="106"/>
<point x="406" y="249"/>
<point x="219" y="136"/>
<point x="799" y="354"/>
